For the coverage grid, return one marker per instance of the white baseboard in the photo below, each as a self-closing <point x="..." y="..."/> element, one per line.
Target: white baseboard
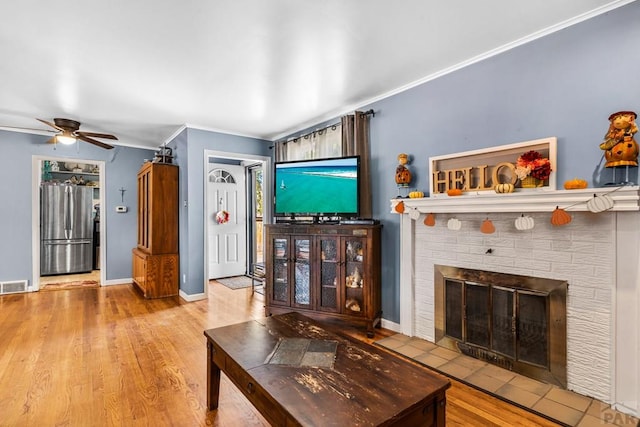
<point x="193" y="297"/>
<point x="392" y="326"/>
<point x="125" y="281"/>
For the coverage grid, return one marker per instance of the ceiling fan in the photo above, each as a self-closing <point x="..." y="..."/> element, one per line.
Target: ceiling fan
<point x="69" y="131"/>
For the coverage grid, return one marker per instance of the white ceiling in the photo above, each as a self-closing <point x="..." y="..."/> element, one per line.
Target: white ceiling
<point x="143" y="69"/>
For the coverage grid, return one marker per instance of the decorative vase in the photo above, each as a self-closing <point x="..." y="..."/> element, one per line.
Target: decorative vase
<point x="531" y="182"/>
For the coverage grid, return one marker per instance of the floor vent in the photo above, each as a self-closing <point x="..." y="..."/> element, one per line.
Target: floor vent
<point x="13" y="287"/>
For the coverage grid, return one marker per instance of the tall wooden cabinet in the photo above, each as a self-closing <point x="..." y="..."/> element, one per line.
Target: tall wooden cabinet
<point x="324" y="271"/>
<point x="155" y="259"/>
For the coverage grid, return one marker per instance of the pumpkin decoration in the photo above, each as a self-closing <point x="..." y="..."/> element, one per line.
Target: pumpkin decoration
<point x="454" y="192"/>
<point x="524" y="223"/>
<point x="416" y="194"/>
<point x="600" y="203"/>
<point x="414" y="214"/>
<point x="575" y="184"/>
<point x="504" y="188"/>
<point x="454" y="224"/>
<point x="399" y="207"/>
<point x="560" y="217"/>
<point x="487" y="227"/>
<point x="430" y="220"/>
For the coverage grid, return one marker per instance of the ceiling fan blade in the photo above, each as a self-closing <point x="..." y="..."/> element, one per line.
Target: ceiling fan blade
<point x="97" y="135"/>
<point x="20" y="128"/>
<point x="93" y="141"/>
<point x="50" y="124"/>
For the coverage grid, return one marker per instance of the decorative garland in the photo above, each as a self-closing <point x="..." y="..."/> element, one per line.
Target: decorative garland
<point x="559" y="216"/>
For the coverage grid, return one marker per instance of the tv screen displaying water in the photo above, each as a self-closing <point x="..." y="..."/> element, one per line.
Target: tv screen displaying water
<point x="317" y="187"/>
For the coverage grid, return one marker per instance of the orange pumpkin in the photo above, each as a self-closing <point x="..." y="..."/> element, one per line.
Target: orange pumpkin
<point x="560" y="217"/>
<point x="575" y="184"/>
<point x="430" y="220"/>
<point x="400" y="207"/>
<point x="454" y="192"/>
<point x="487" y="227"/>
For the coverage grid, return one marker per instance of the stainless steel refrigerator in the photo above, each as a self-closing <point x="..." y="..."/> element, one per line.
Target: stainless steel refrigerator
<point x="66" y="229"/>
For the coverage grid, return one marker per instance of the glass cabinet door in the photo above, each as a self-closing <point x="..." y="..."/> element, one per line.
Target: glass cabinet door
<point x="329" y="273"/>
<point x="354" y="281"/>
<point x="280" y="279"/>
<point x="302" y="276"/>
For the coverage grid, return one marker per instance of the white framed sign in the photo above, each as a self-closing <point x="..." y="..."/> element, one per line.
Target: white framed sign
<point x="481" y="170"/>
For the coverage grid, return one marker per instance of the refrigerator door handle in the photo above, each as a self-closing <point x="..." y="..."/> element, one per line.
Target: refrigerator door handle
<point x="71" y="242"/>
<point x="66" y="213"/>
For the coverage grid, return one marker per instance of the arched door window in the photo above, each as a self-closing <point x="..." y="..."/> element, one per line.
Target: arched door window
<point x="221" y="176"/>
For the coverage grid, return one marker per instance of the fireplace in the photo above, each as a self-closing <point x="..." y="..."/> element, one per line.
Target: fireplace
<point x="596" y="254"/>
<point x="516" y="322"/>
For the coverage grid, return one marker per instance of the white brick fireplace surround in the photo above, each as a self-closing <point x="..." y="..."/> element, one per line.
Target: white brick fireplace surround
<point x="597" y="254"/>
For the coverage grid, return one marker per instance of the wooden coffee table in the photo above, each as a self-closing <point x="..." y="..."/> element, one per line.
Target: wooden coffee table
<point x="295" y="371"/>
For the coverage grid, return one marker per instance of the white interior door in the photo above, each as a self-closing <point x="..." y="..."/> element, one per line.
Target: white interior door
<point x="227" y="240"/>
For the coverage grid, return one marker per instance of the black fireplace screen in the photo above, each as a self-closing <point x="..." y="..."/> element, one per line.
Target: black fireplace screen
<point x="533" y="330"/>
<point x="511" y="322"/>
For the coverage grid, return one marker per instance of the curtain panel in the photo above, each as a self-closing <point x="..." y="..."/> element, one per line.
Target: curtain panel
<point x="355" y="141"/>
<point x="319" y="144"/>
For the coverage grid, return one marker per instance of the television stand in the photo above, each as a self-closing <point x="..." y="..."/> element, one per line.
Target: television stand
<point x="324" y="271"/>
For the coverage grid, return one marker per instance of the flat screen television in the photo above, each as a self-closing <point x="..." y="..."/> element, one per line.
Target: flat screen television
<point x="318" y="188"/>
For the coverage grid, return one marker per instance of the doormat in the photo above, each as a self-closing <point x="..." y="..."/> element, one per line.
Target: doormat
<point x="235" y="282"/>
<point x="80" y="284"/>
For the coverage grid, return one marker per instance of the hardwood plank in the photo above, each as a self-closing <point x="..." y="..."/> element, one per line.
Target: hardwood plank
<point x="108" y="357"/>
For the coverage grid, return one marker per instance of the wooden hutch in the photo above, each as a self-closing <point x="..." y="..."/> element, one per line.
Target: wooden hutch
<point x="155" y="259"/>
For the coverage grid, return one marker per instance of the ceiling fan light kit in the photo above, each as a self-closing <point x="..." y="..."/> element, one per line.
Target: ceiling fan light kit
<point x="65" y="139"/>
<point x="69" y="132"/>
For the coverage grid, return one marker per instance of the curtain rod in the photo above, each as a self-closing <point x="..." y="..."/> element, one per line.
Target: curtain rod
<point x="333" y="126"/>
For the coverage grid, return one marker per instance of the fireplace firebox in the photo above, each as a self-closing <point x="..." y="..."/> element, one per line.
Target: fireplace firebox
<point x="515" y="322"/>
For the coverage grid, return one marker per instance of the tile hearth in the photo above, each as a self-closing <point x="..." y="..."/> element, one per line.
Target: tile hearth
<point x="552" y="402"/>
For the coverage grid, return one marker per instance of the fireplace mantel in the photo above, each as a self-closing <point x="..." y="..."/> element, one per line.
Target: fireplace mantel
<point x="625" y="198"/>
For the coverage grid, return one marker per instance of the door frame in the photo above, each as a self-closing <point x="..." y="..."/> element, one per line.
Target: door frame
<point x="252" y="159"/>
<point x="36" y="175"/>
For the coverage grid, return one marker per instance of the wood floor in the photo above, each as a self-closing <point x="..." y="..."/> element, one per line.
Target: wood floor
<point x="106" y="356"/>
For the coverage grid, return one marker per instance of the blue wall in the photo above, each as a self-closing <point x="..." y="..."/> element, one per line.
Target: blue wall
<point x="190" y="148"/>
<point x="121" y="167"/>
<point x="564" y="85"/>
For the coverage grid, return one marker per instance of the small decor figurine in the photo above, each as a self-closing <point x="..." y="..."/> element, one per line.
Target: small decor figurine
<point x="620" y="149"/>
<point x="352" y="304"/>
<point x="403" y="174"/>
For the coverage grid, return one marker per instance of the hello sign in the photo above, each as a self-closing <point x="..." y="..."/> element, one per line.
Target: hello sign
<point x="481" y="170"/>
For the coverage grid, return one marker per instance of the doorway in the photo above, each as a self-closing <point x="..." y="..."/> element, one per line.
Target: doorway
<point x="87" y="175"/>
<point x="234" y="250"/>
<point x="227" y="219"/>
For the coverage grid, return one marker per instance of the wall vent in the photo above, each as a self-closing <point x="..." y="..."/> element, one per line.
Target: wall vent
<point x="13" y="287"/>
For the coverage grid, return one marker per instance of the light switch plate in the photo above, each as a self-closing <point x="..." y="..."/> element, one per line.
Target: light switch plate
<point x="121" y="209"/>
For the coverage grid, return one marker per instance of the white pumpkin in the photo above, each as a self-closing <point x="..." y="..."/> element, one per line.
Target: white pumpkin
<point x="524" y="223"/>
<point x="454" y="224"/>
<point x="504" y="188"/>
<point x="414" y="214"/>
<point x="600" y="203"/>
